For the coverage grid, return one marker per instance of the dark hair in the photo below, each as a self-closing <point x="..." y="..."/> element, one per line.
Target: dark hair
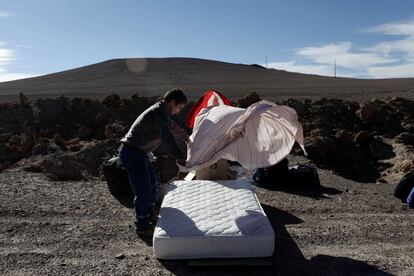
<point x="175" y="94"/>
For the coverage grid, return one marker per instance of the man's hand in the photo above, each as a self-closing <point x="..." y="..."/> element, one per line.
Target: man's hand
<point x="187" y="140"/>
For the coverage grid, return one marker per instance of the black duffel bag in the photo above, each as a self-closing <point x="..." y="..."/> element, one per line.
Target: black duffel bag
<point x="117" y="177"/>
<point x="281" y="176"/>
<point x="303" y="176"/>
<point x="272" y="176"/>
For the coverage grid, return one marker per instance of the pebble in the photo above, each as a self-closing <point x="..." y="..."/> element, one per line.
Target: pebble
<point x="120" y="256"/>
<point x="352" y="192"/>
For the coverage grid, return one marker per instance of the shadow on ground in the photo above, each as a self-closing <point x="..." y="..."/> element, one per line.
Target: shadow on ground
<point x="315" y="192"/>
<point x="288" y="258"/>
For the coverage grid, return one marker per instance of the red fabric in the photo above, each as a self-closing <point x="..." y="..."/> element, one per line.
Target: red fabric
<point x="204" y="102"/>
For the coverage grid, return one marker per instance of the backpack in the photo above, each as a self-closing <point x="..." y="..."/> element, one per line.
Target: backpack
<point x="117" y="177"/>
<point x="404" y="187"/>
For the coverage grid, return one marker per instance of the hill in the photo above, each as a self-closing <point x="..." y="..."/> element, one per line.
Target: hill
<point x="153" y="76"/>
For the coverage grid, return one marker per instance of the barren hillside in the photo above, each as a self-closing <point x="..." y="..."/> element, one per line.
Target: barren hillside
<point x="153" y="76"/>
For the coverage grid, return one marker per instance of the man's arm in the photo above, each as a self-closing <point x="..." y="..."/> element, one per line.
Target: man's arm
<point x="179" y="133"/>
<point x="170" y="144"/>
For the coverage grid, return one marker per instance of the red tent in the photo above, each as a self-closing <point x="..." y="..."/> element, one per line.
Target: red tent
<point x="210" y="98"/>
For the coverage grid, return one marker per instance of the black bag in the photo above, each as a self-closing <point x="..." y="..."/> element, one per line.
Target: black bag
<point x="303" y="176"/>
<point x="117" y="177"/>
<point x="274" y="175"/>
<point x="404" y="187"/>
<point x="280" y="175"/>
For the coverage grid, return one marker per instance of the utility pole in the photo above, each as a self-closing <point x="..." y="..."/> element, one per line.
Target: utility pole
<point x="266" y="61"/>
<point x="335" y="67"/>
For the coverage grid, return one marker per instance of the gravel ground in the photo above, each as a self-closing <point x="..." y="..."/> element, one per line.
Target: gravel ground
<point x="80" y="228"/>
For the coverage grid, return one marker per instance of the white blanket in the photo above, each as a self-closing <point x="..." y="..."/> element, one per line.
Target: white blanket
<point x="256" y="137"/>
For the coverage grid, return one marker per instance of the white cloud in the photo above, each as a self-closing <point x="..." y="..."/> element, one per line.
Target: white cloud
<point x="405" y="28"/>
<point x="24" y="46"/>
<point x="14" y="76"/>
<point x="5" y="13"/>
<point x="344" y="56"/>
<point x="7" y="57"/>
<point x="405" y="47"/>
<point x="392" y="58"/>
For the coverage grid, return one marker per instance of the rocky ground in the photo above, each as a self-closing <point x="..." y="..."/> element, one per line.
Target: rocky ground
<point x="58" y="217"/>
<point x="69" y="139"/>
<point x="78" y="227"/>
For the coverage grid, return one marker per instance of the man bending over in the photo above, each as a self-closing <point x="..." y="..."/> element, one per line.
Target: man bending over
<point x="151" y="129"/>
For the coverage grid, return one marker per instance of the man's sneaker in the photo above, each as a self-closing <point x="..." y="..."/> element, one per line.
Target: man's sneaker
<point x="144" y="232"/>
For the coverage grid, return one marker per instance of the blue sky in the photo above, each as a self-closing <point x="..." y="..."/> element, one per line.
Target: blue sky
<point x="368" y="39"/>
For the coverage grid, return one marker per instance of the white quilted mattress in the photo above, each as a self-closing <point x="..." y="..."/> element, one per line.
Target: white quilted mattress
<point x="212" y="219"/>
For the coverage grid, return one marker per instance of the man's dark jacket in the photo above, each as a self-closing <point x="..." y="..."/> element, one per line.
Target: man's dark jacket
<point x="153" y="128"/>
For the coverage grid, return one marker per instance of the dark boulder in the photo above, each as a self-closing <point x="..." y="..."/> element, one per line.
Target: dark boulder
<point x="344" y="136"/>
<point x="320" y="149"/>
<point x="4" y="137"/>
<point x="248" y="100"/>
<point x="362" y="137"/>
<point x="405" y="138"/>
<point x="114" y="131"/>
<point x="85" y="132"/>
<point x="112" y="101"/>
<point x="63" y="167"/>
<point x="380" y="149"/>
<point x="59" y="141"/>
<point x="13" y="153"/>
<point x="367" y="111"/>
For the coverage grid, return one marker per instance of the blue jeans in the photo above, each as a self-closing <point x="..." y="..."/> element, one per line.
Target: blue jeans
<point x="143" y="181"/>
